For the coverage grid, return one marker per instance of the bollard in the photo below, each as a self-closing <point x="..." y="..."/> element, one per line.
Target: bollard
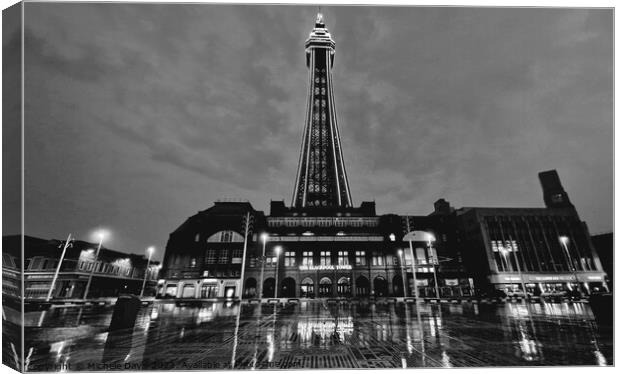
<point x="125" y="312"/>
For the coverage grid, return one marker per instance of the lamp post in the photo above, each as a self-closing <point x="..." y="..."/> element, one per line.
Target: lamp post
<point x="277" y="249"/>
<point x="514" y="251"/>
<point x="101" y="234"/>
<point x="62" y="256"/>
<point x="150" y="251"/>
<point x="413" y="259"/>
<point x="402" y="274"/>
<point x="504" y="253"/>
<point x="564" y="240"/>
<point x="409" y="237"/>
<point x="431" y="239"/>
<point x="263" y="237"/>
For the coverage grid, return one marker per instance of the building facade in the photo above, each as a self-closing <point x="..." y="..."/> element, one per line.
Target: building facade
<point x="112" y="272"/>
<point x="542" y="250"/>
<point x="323" y="246"/>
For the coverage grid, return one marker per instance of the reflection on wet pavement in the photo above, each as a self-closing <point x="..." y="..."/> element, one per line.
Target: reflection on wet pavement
<point x="317" y="335"/>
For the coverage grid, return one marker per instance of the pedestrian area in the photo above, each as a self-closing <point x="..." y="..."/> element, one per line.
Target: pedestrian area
<point x="315" y="334"/>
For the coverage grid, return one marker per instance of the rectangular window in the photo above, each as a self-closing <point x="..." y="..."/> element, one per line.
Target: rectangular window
<point x="420" y="254"/>
<point x="307" y="259"/>
<point x="343" y="257"/>
<point x="377" y="259"/>
<point x="326" y="258"/>
<point x="289" y="258"/>
<point x="223" y="257"/>
<point x="360" y="258"/>
<point x="211" y="257"/>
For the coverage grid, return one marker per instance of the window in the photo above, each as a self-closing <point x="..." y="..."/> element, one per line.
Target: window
<point x="197" y="238"/>
<point x="326" y="258"/>
<point x="223" y="258"/>
<point x="420" y="254"/>
<point x="377" y="259"/>
<point x="307" y="259"/>
<point x="289" y="258"/>
<point x="360" y="258"/>
<point x="226" y="237"/>
<point x="343" y="257"/>
<point x="211" y="256"/>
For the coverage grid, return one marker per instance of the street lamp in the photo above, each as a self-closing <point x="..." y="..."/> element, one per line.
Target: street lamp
<point x="150" y="251"/>
<point x="402" y="274"/>
<point x="263" y="237"/>
<point x="431" y="239"/>
<point x="564" y="240"/>
<point x="513" y="248"/>
<point x="277" y="249"/>
<point x="409" y="237"/>
<point x="62" y="256"/>
<point x="100" y="234"/>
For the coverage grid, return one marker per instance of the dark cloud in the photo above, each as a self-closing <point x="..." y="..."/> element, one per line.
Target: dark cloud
<point x="138" y="115"/>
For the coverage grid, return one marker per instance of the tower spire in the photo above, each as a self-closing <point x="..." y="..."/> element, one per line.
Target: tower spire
<point x="321" y="176"/>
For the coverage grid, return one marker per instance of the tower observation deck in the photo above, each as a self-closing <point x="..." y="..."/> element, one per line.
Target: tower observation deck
<point x="321" y="176"/>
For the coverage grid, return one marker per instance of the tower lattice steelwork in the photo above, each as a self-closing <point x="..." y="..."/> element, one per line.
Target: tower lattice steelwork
<point x="321" y="176"/>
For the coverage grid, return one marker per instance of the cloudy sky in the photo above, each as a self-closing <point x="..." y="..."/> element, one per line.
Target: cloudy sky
<point x="138" y="116"/>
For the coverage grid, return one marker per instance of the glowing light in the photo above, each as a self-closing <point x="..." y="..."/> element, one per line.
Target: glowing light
<point x="278" y="249"/>
<point x="392" y="237"/>
<point x="564" y="239"/>
<point x="264" y="237"/>
<point x="600" y="359"/>
<point x="150" y="250"/>
<point x="400" y="252"/>
<point x="430" y="238"/>
<point x="101" y="234"/>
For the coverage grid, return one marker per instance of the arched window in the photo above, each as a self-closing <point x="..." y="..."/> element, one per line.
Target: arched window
<point x="226" y="236"/>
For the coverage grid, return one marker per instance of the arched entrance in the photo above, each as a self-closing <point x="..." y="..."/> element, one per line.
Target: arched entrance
<point x="381" y="286"/>
<point x="325" y="287"/>
<point x="287" y="288"/>
<point x="307" y="288"/>
<point x="397" y="286"/>
<point x="344" y="287"/>
<point x="249" y="290"/>
<point x="362" y="286"/>
<point x="269" y="287"/>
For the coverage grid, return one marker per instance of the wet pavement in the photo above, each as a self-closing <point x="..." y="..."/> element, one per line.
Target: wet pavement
<point x="317" y="335"/>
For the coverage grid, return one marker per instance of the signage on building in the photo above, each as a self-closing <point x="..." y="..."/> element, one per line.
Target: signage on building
<point x="422" y="282"/>
<point x="452" y="282"/>
<point x="553" y="278"/>
<point x="325" y="267"/>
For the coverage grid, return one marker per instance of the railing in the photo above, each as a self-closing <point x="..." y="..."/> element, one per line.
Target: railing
<point x="323" y="221"/>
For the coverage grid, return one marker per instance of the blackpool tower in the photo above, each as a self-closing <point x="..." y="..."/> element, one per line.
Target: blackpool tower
<point x="321" y="176"/>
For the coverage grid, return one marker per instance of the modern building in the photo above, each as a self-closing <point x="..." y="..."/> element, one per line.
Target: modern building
<point x="112" y="272"/>
<point x="323" y="246"/>
<point x="604" y="245"/>
<point x="544" y="250"/>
